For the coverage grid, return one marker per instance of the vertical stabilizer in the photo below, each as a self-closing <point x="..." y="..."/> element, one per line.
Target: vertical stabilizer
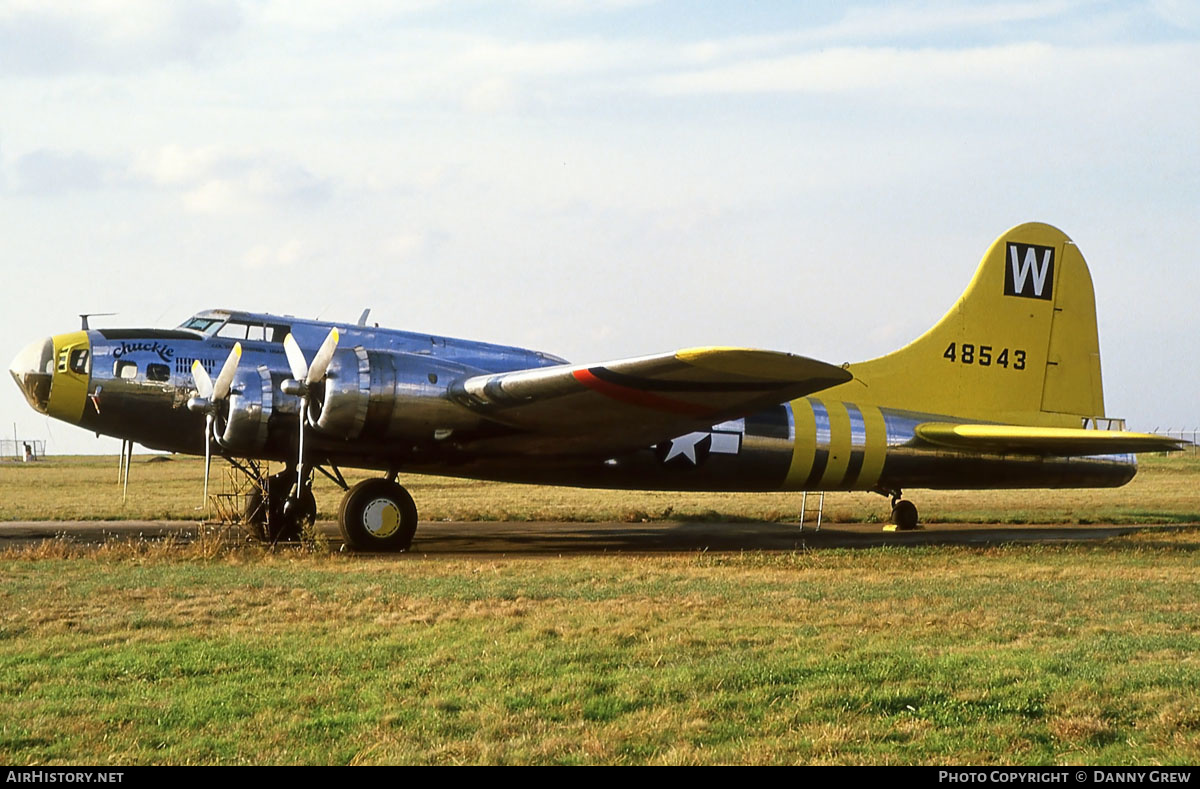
<point x="1019" y="346"/>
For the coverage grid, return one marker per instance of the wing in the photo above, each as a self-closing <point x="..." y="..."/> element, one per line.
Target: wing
<point x="632" y="403"/>
<point x="1056" y="441"/>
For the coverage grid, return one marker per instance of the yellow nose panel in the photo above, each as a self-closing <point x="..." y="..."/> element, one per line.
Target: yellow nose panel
<point x="68" y="391"/>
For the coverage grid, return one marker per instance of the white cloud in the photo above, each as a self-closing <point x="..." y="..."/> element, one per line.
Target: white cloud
<point x="286" y="255"/>
<point x="898" y="21"/>
<point x="109" y="35"/>
<point x="217" y="180"/>
<point x="859" y="69"/>
<point x="890" y="24"/>
<point x="588" y="6"/>
<point x="322" y="16"/>
<point x="1102" y="80"/>
<point x="492" y="95"/>
<point x="1180" y="13"/>
<point x="489" y="74"/>
<point x="404" y="246"/>
<point x="743" y="178"/>
<point x="49" y="172"/>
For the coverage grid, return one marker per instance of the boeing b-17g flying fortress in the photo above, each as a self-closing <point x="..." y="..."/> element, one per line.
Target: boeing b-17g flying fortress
<point x="1003" y="392"/>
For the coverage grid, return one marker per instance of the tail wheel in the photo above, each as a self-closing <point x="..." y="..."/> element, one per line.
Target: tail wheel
<point x="904" y="515"/>
<point x="378" y="515"/>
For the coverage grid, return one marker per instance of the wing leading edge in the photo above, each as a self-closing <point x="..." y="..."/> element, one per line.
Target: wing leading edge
<point x="637" y="402"/>
<point x="1050" y="441"/>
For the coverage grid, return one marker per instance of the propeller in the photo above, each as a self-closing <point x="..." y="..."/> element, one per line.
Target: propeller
<point x="304" y="376"/>
<point x="209" y="394"/>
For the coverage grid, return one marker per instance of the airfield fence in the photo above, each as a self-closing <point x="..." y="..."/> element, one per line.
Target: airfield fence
<point x="1183" y="434"/>
<point x="22" y="449"/>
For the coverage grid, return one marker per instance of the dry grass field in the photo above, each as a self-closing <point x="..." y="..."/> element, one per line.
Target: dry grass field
<point x="153" y="652"/>
<point x="1166" y="490"/>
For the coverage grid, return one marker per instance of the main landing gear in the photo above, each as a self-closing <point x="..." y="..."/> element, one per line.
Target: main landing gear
<point x="375" y="515"/>
<point x="269" y="513"/>
<point x="904" y="513"/>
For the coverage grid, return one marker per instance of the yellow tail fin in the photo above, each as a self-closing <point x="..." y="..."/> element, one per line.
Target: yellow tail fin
<point x="1019" y="346"/>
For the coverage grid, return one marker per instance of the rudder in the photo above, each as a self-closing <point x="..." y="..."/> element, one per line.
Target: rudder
<point x="1020" y="345"/>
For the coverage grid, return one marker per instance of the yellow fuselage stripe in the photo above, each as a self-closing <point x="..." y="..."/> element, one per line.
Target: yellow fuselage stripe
<point x="876" y="449"/>
<point x="841" y="441"/>
<point x="839" y="446"/>
<point x="804" y="449"/>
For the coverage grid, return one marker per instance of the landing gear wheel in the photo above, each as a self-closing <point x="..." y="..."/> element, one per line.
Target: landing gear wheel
<point x="904" y="515"/>
<point x="267" y="518"/>
<point x="378" y="515"/>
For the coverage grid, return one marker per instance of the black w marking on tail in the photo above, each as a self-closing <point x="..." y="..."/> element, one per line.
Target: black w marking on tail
<point x="1029" y="271"/>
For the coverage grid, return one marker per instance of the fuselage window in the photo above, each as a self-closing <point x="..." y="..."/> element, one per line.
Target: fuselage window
<point x="125" y="370"/>
<point x="80" y="361"/>
<point x="158" y="372"/>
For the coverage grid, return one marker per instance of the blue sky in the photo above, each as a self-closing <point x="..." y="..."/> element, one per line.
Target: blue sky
<point x="599" y="179"/>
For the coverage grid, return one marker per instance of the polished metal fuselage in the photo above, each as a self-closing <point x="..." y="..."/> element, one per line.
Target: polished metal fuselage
<point x="138" y="383"/>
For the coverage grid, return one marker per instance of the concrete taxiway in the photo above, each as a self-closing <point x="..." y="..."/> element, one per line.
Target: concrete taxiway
<point x="541" y="539"/>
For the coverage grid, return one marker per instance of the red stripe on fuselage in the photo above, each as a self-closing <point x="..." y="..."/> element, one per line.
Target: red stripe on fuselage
<point x="638" y="397"/>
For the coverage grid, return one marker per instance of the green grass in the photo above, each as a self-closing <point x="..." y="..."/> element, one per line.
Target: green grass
<point x="85" y="488"/>
<point x="217" y="653"/>
<point x="150" y="653"/>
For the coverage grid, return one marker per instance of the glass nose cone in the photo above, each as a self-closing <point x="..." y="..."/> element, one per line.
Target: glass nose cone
<point x="33" y="370"/>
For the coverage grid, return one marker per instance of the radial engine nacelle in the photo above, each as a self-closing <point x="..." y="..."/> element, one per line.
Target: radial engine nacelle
<point x="366" y="394"/>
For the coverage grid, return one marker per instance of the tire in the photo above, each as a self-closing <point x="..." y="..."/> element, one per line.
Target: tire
<point x="378" y="515"/>
<point x="267" y="520"/>
<point x="904" y="515"/>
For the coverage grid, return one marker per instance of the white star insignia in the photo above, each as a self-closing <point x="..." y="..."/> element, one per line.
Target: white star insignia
<point x="685" y="446"/>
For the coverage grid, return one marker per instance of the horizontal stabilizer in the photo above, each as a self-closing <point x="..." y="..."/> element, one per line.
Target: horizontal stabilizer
<point x="631" y="403"/>
<point x="1055" y="441"/>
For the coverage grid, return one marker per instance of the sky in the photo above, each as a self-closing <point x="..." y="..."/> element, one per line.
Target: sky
<point x="598" y="178"/>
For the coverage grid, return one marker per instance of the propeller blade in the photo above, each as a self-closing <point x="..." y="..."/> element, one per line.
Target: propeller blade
<point x="204" y="384"/>
<point x="323" y="358"/>
<point x="308" y="376"/>
<point x="208" y="425"/>
<point x="295" y="357"/>
<point x="300" y="450"/>
<point x="228" y="370"/>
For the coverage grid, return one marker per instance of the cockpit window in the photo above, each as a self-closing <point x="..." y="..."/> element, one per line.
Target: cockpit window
<point x="233" y="330"/>
<point x="254" y="332"/>
<point x="205" y="325"/>
<point x="238" y="329"/>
